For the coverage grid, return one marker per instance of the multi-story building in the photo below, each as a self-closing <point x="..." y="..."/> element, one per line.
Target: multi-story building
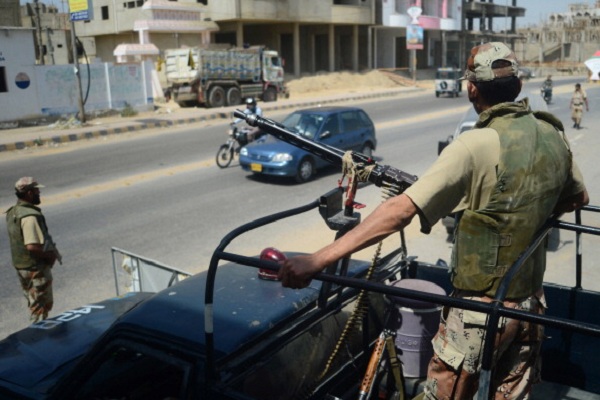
<point x="311" y="35"/>
<point x="143" y="27"/>
<point x="569" y="37"/>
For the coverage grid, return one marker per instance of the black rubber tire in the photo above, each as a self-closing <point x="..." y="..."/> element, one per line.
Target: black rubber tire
<point x="306" y="170"/>
<point x="216" y="97"/>
<point x="270" y="94"/>
<point x="234" y="96"/>
<point x="367" y="150"/>
<point x="224" y="156"/>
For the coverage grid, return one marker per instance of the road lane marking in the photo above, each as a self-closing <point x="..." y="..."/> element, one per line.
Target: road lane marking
<point x="82" y="192"/>
<point x="422" y="117"/>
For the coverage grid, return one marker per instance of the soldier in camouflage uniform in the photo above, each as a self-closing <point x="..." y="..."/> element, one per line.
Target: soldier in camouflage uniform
<point x="33" y="252"/>
<point x="504" y="178"/>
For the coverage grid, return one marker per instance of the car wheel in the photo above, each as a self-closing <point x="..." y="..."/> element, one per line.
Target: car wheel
<point x="305" y="171"/>
<point x="367" y="150"/>
<point x="437" y="94"/>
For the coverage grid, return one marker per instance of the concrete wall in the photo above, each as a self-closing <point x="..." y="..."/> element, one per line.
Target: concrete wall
<point x="306" y="11"/>
<point x="110" y="87"/>
<point x="9" y="13"/>
<point x="18" y="95"/>
<point x="53" y="89"/>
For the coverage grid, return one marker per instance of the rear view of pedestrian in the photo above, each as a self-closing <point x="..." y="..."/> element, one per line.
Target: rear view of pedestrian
<point x="32" y="248"/>
<point x="578" y="99"/>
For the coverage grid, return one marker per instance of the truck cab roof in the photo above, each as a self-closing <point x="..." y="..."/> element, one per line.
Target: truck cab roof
<point x="43" y="361"/>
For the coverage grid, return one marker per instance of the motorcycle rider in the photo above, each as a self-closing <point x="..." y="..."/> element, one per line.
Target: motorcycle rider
<point x="251" y="108"/>
<point x="547" y="89"/>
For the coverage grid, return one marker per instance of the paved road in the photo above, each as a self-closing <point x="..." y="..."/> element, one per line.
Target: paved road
<point x="91" y="198"/>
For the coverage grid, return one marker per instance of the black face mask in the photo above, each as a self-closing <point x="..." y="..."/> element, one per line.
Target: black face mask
<point x="35" y="198"/>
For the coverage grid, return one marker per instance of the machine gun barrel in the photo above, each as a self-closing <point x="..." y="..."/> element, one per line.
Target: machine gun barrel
<point x="380" y="174"/>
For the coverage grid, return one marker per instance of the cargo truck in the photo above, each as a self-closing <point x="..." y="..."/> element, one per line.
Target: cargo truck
<point x="224" y="77"/>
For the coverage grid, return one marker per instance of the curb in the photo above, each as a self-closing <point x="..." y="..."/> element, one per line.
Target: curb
<point x="101" y="132"/>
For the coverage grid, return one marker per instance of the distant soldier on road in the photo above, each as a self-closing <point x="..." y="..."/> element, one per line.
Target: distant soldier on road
<point x="578" y="99"/>
<point x="32" y="248"/>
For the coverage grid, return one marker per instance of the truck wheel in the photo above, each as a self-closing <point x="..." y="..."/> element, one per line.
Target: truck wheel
<point x="306" y="170"/>
<point x="216" y="97"/>
<point x="270" y="94"/>
<point x="234" y="96"/>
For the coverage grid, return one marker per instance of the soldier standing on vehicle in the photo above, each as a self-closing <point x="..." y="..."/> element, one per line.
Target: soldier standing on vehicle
<point x="32" y="248"/>
<point x="504" y="178"/>
<point x="578" y="99"/>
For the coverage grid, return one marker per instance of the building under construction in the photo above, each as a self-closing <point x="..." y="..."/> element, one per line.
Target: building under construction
<point x="564" y="41"/>
<point x="9" y="13"/>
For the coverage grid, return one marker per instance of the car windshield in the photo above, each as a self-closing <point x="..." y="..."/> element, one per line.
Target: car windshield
<point x="304" y="124"/>
<point x="447" y="74"/>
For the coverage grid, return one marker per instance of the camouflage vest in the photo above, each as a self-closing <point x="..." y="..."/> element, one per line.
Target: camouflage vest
<point x="21" y="257"/>
<point x="534" y="165"/>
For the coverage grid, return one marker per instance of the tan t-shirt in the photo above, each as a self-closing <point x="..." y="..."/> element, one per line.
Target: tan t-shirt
<point x="32" y="233"/>
<point x="464" y="175"/>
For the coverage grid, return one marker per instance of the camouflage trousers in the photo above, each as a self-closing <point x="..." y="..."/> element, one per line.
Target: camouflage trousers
<point x="37" y="288"/>
<point x="453" y="372"/>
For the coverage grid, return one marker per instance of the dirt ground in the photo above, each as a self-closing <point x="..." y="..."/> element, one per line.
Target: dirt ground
<point x="348" y="82"/>
<point x="321" y="84"/>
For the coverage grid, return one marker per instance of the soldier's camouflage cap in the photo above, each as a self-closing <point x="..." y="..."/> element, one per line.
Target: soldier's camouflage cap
<point x="26" y="183"/>
<point x="480" y="65"/>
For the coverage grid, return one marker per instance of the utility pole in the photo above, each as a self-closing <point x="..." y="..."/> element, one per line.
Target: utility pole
<point x="77" y="75"/>
<point x="38" y="29"/>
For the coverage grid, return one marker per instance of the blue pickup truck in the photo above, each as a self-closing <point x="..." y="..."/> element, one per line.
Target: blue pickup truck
<point x="228" y="334"/>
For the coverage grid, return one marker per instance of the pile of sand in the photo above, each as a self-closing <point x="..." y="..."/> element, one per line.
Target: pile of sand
<point x="345" y="82"/>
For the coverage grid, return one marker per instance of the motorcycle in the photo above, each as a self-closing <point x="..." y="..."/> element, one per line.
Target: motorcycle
<point x="546" y="93"/>
<point x="238" y="138"/>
